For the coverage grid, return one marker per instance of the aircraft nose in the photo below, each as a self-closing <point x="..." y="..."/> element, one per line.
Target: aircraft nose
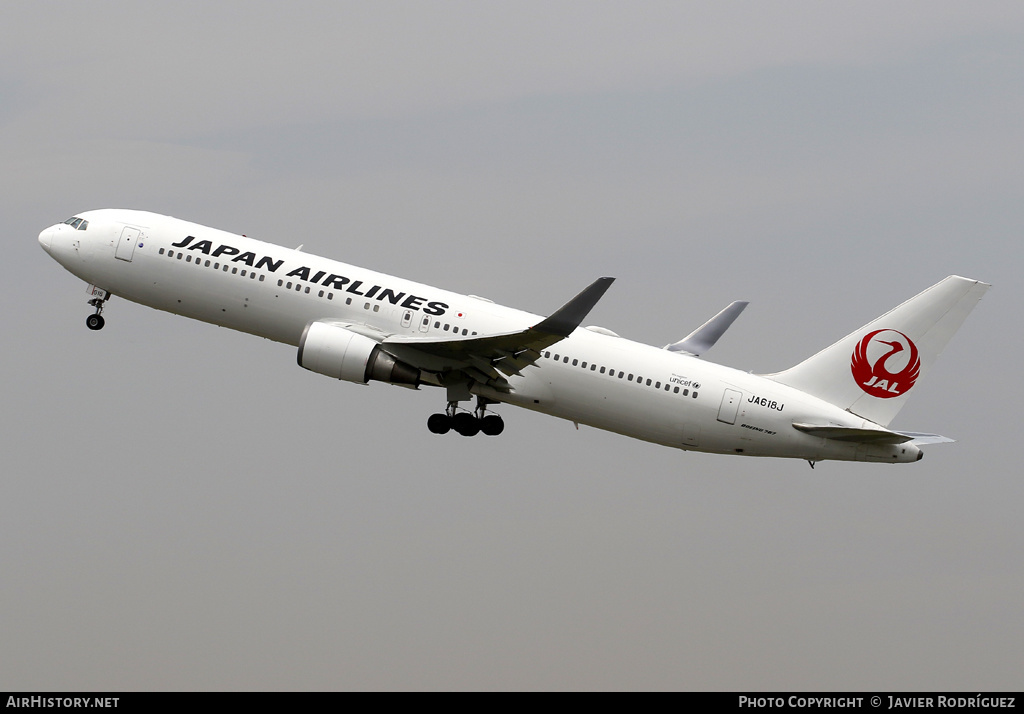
<point x="45" y="238"/>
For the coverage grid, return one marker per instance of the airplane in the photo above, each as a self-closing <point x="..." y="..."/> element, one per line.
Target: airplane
<point x="357" y="325"/>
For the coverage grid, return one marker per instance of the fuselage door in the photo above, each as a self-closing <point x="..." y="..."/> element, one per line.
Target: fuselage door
<point x="126" y="245"/>
<point x="730" y="405"/>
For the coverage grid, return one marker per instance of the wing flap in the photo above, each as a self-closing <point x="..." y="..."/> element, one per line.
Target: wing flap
<point x="514" y="363"/>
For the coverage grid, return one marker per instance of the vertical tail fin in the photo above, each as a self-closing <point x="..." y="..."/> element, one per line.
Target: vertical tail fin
<point x="872" y="371"/>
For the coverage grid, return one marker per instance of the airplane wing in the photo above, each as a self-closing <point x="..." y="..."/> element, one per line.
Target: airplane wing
<point x="704" y="337"/>
<point x="491" y="358"/>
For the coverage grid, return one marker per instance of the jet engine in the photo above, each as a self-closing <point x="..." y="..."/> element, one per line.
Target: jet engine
<point x="338" y="352"/>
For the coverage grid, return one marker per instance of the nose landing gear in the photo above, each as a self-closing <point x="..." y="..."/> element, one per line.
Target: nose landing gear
<point x="465" y="423"/>
<point x="99" y="298"/>
<point x="95" y="321"/>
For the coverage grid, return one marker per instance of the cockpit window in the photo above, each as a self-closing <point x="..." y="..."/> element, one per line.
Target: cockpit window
<point x="83" y="225"/>
<point x="77" y="223"/>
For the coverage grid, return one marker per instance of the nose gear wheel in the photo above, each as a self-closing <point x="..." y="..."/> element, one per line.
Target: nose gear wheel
<point x="95" y="321"/>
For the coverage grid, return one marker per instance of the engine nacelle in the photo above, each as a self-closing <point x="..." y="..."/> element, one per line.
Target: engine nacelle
<point x="335" y="351"/>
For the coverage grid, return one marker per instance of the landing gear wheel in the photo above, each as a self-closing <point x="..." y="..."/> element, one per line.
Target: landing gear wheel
<point x="466" y="424"/>
<point x="439" y="423"/>
<point x="492" y="425"/>
<point x="95" y="321"/>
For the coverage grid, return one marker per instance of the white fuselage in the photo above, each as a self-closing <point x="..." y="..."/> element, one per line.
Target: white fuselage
<point x="590" y="377"/>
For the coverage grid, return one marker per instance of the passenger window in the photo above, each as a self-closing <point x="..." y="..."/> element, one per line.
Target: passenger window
<point x="330" y="296"/>
<point x="321" y="294"/>
<point x="602" y="370"/>
<point x="307" y="290"/>
<point x="288" y="286"/>
<point x="280" y="283"/>
<point x="234" y="271"/>
<point x="188" y="259"/>
<point x="161" y="251"/>
<point x="575" y="362"/>
<point x="207" y="264"/>
<point x="648" y="382"/>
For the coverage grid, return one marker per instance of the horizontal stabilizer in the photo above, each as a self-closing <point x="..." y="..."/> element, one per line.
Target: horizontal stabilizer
<point x="704" y="337"/>
<point x="917" y="438"/>
<point x="860" y="436"/>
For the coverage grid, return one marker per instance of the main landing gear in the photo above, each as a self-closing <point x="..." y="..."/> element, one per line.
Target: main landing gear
<point x="465" y="423"/>
<point x="95" y="321"/>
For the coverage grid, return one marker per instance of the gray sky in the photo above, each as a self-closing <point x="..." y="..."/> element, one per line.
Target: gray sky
<point x="184" y="508"/>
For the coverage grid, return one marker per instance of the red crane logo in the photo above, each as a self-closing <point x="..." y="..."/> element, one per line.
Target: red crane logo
<point x="872" y="364"/>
